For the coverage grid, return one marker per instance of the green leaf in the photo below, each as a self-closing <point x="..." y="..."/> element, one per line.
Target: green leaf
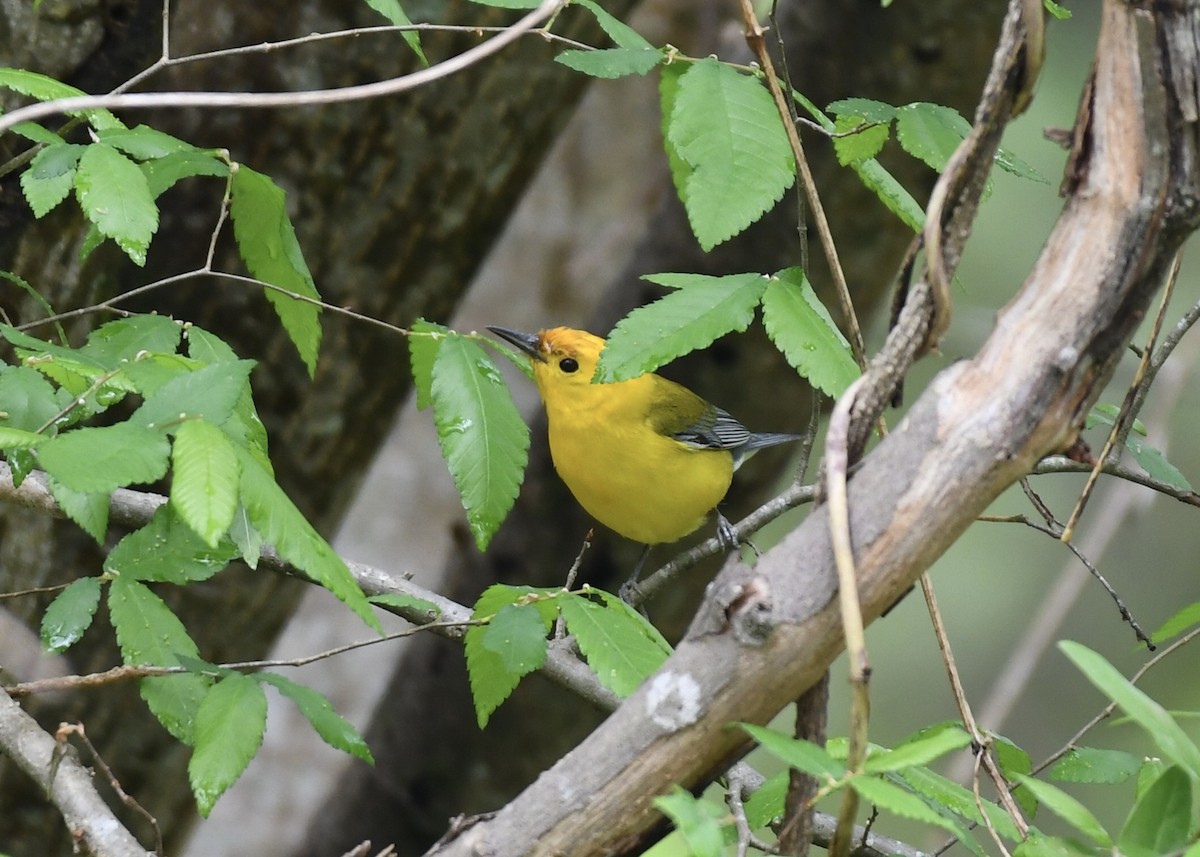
<point x="1162" y="817"/>
<point x="149" y="633"/>
<point x="611" y="63"/>
<point x="491" y="681"/>
<point x="29" y="402"/>
<point x="229" y="730"/>
<point x="891" y="193"/>
<point x="100" y="460"/>
<point x="407" y="603"/>
<point x="50" y="176"/>
<point x="36" y="296"/>
<point x="14" y="438"/>
<point x="802" y="329"/>
<point x="1152" y="717"/>
<point x="702" y="310"/>
<point x="483" y="438"/>
<point x="204" y="490"/>
<point x="1061" y="13"/>
<point x="621" y="33"/>
<point x="1092" y="765"/>
<point x="126" y="338"/>
<point x="1011" y="164"/>
<point x="44" y="88"/>
<point x="768" y="802"/>
<point x="163" y="173"/>
<point x="88" y="511"/>
<point x="276" y="518"/>
<point x="391" y="10"/>
<point x="334" y="729"/>
<point x="267" y="242"/>
<point x="725" y="128"/>
<point x="697" y="820"/>
<point x="1106" y="414"/>
<point x="1155" y="463"/>
<point x="858" y="140"/>
<point x="247" y="539"/>
<point x="1184" y="619"/>
<point x="930" y="132"/>
<point x="617" y="647"/>
<point x="920" y="750"/>
<point x="956" y="799"/>
<point x="509" y="4"/>
<point x="900" y="801"/>
<point x="518" y="636"/>
<point x="144" y="143"/>
<point x="70" y="614"/>
<point x="209" y="393"/>
<point x="424" y="340"/>
<point x="1038" y="845"/>
<point x="1069" y="810"/>
<point x="244" y="426"/>
<point x="797" y="753"/>
<point x="114" y="195"/>
<point x="863" y="110"/>
<point x="167" y="550"/>
<point x="35" y="133"/>
<point x="1012" y="761"/>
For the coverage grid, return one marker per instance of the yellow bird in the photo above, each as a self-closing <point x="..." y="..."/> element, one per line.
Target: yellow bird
<point x="647" y="457"/>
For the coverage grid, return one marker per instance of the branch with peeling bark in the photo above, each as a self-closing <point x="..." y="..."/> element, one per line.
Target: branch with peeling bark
<point x="979" y="427"/>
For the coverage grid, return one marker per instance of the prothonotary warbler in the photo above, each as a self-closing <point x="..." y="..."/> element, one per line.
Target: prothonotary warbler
<point x="646" y="457"/>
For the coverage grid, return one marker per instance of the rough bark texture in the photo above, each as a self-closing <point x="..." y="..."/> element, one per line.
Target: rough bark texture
<point x="1134" y="196"/>
<point x="443" y="763"/>
<point x="396" y="204"/>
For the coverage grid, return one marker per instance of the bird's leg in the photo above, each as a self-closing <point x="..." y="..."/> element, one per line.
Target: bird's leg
<point x="728" y="537"/>
<point x="629" y="591"/>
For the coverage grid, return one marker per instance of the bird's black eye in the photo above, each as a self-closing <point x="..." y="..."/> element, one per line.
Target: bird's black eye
<point x="568" y="364"/>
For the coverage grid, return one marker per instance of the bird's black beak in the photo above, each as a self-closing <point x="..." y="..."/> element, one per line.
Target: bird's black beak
<point x="526" y="342"/>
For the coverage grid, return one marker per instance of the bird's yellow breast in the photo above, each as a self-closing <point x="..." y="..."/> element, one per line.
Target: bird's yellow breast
<point x="628" y="475"/>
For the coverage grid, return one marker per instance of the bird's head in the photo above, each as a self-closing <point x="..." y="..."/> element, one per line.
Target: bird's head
<point x="562" y="357"/>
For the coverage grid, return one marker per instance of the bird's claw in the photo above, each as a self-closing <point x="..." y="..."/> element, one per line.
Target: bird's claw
<point x="727" y="534"/>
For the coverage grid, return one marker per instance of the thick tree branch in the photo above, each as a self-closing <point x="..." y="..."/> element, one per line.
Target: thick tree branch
<point x="981" y="425"/>
<point x="68" y="784"/>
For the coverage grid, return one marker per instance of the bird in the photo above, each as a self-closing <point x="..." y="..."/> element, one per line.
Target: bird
<point x="646" y="457"/>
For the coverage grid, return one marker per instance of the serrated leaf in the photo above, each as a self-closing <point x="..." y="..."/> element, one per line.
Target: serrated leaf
<point x="35" y="133"/>
<point x="864" y="109"/>
<point x="668" y="92"/>
<point x="1162" y="817"/>
<point x="89" y="511"/>
<point x="518" y="636"/>
<point x="334" y="729"/>
<point x="621" y="33"/>
<point x="491" y="682"/>
<point x="70" y="614"/>
<point x="391" y="10"/>
<point x="125" y="338"/>
<point x="796" y="752"/>
<point x="956" y="799"/>
<point x="29" y="401"/>
<point x="899" y="801"/>
<point x="702" y="310"/>
<point x="1093" y="765"/>
<point x="209" y="393"/>
<point x="50" y="176"/>
<point x="1155" y="463"/>
<point x="617" y="648"/>
<point x="268" y="245"/>
<point x="45" y="88"/>
<point x="1178" y="623"/>
<point x="768" y="801"/>
<point x="273" y="514"/>
<point x="697" y="820"/>
<point x="149" y="633"/>
<point x="858" y="141"/>
<point x="407" y="603"/>
<point x="611" y="63"/>
<point x="425" y="338"/>
<point x="167" y="550"/>
<point x="229" y="730"/>
<point x="802" y="329"/>
<point x="143" y="142"/>
<point x="1069" y="810"/>
<point x="1013" y="165"/>
<point x="14" y="438"/>
<point x="483" y="438"/>
<point x="725" y="127"/>
<point x="204" y="490"/>
<point x="919" y="751"/>
<point x="100" y="460"/>
<point x="930" y="132"/>
<point x="1152" y="717"/>
<point x="114" y="195"/>
<point x="1106" y="414"/>
<point x="163" y="173"/>
<point x="1038" y="845"/>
